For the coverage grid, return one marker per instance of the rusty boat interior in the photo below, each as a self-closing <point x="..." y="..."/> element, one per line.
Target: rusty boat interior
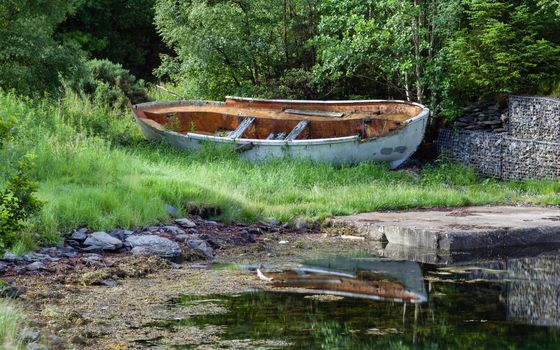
<point x="289" y="120"/>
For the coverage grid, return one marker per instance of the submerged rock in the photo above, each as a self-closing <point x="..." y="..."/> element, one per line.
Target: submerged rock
<point x="102" y="241"/>
<point x="155" y="245"/>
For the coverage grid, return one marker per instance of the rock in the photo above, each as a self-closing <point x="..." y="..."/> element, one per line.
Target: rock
<point x="121" y="235"/>
<point x="176" y="266"/>
<point x="3" y="267"/>
<point x="173" y="230"/>
<point x="155" y="245"/>
<point x="186" y="237"/>
<point x="10" y="257"/>
<point x="30" y="336"/>
<point x="301" y="225"/>
<point x="36" y="266"/>
<point x="102" y="241"/>
<point x="273" y="221"/>
<point x="201" y="246"/>
<point x="35" y="346"/>
<point x="55" y="342"/>
<point x="254" y="231"/>
<point x="109" y="283"/>
<point x="78" y="340"/>
<point x="79" y="235"/>
<point x="210" y="222"/>
<point x="283" y="242"/>
<point x="9" y="291"/>
<point x="172" y="211"/>
<point x="249" y="238"/>
<point x="186" y="223"/>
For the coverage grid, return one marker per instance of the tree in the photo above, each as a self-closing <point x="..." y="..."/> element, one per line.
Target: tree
<point x="395" y="44"/>
<point x="31" y="60"/>
<point x="121" y="31"/>
<point x="505" y="47"/>
<point x="236" y="46"/>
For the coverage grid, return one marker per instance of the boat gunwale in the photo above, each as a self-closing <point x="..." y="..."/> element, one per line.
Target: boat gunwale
<point x="422" y="115"/>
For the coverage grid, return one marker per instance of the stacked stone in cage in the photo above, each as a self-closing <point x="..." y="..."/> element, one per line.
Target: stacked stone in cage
<point x="531" y="149"/>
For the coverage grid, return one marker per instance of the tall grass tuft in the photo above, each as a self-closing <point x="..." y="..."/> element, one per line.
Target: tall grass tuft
<point x="11" y="325"/>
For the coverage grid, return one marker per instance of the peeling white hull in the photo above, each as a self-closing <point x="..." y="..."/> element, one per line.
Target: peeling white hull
<point x="395" y="147"/>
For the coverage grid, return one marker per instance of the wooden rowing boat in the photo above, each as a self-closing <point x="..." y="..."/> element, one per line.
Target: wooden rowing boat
<point x="333" y="131"/>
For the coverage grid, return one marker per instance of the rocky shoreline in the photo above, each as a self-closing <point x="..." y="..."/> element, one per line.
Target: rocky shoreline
<point x="64" y="289"/>
<point x="169" y="244"/>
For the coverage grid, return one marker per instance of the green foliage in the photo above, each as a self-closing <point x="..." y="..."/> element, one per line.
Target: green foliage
<point x="388" y="48"/>
<point x="235" y="46"/>
<point x="118" y="30"/>
<point x="450" y="174"/>
<point x="17" y="202"/>
<point x="108" y="83"/>
<point x="505" y="47"/>
<point x="31" y="61"/>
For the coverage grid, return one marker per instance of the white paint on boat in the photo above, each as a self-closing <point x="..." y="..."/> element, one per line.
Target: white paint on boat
<point x="394" y="147"/>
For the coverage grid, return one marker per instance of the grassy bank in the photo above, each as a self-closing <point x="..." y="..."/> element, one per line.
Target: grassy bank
<point x="95" y="169"/>
<point x="11" y="323"/>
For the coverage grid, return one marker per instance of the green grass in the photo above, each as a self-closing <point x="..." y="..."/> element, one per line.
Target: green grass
<point x="11" y="323"/>
<point x="95" y="169"/>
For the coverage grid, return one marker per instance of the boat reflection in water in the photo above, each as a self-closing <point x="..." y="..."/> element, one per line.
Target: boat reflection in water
<point x="368" y="278"/>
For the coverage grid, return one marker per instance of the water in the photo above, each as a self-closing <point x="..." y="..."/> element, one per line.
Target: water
<point x="511" y="303"/>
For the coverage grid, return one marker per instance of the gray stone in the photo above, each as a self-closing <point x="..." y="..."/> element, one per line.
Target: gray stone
<point x="36" y="346"/>
<point x="273" y="221"/>
<point x="172" y="211"/>
<point x="3" y="267"/>
<point x="103" y="241"/>
<point x="186" y="237"/>
<point x="10" y="257"/>
<point x="79" y="235"/>
<point x="186" y="223"/>
<point x="120" y="234"/>
<point x="30" y="336"/>
<point x="301" y="225"/>
<point x="210" y="222"/>
<point x="9" y="291"/>
<point x="36" y="266"/>
<point x="173" y="230"/>
<point x="201" y="246"/>
<point x="176" y="266"/>
<point x="155" y="245"/>
<point x="249" y="238"/>
<point x="109" y="283"/>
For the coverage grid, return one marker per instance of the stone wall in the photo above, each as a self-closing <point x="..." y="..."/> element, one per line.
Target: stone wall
<point x="530" y="149"/>
<point x="534" y="118"/>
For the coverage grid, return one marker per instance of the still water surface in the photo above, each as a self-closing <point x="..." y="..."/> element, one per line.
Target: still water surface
<point x="379" y="303"/>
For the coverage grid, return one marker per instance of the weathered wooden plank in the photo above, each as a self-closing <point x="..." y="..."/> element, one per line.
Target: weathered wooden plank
<point x="237" y="133"/>
<point x="314" y="113"/>
<point x="297" y="130"/>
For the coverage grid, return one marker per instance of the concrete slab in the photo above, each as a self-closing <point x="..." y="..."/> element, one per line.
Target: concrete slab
<point x="457" y="229"/>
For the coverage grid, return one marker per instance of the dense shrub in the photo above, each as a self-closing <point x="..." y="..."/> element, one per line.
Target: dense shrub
<point x="17" y="202"/>
<point x="109" y="83"/>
